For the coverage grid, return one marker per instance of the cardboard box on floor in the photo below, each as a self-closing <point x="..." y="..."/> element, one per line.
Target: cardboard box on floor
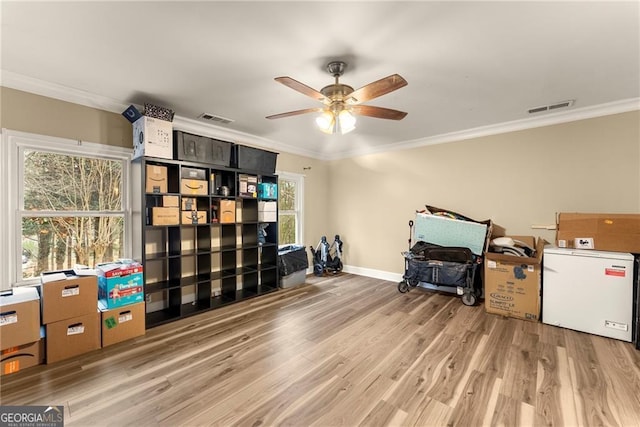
<point x="512" y="284"/>
<point x="603" y="232"/>
<point x="120" y="283"/>
<point x="19" y="316"/>
<point x="69" y="296"/>
<point x="15" y="359"/>
<point x="122" y="324"/>
<point x="72" y="337"/>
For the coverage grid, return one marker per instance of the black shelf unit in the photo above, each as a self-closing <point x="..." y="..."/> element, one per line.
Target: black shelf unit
<point x="191" y="268"/>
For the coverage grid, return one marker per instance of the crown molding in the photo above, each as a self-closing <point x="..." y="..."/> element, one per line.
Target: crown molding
<point x="616" y="107"/>
<point x="64" y="93"/>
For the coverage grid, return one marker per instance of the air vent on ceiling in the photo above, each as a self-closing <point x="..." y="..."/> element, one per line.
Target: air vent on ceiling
<point x="214" y="118"/>
<point x="551" y="107"/>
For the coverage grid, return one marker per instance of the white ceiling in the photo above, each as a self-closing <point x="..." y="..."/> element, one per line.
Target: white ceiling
<point x="472" y="67"/>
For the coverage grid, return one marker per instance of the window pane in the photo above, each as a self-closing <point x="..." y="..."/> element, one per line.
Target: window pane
<point x="61" y="242"/>
<point x="287" y="229"/>
<point x="286" y="195"/>
<point x="61" y="182"/>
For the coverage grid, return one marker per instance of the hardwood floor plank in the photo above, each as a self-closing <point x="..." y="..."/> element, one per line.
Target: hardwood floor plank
<point x="344" y="350"/>
<point x="588" y="378"/>
<point x="430" y="413"/>
<point x="495" y="356"/>
<point x="384" y="414"/>
<point x="474" y="401"/>
<point x="520" y="375"/>
<point x="548" y="387"/>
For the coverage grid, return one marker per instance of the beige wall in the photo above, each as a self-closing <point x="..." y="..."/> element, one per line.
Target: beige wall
<point x="26" y="112"/>
<point x="517" y="179"/>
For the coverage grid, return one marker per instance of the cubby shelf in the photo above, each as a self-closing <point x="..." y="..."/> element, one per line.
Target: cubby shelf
<point x="192" y="267"/>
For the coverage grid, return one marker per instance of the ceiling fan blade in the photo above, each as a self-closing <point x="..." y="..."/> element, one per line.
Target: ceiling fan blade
<point x="303" y="89"/>
<point x="296" y="113"/>
<point x="378" y="112"/>
<point x="376" y="89"/>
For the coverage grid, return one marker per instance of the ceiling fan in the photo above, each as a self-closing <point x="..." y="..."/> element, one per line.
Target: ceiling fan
<point x="341" y="102"/>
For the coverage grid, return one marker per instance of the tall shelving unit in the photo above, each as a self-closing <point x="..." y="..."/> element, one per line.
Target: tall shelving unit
<point x="191" y="268"/>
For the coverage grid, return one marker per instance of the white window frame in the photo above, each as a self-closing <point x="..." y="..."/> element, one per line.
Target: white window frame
<point x="299" y="205"/>
<point x="11" y="179"/>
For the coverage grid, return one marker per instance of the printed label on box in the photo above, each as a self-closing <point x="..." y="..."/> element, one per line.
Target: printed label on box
<point x="491" y="264"/>
<point x="125" y="317"/>
<point x="75" y="330"/>
<point x="69" y="292"/>
<point x="9" y="318"/>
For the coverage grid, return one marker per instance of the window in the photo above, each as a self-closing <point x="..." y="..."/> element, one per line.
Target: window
<point x="70" y="204"/>
<point x="290" y="203"/>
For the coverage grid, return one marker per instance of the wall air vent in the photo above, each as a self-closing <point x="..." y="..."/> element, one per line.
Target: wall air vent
<point x="551" y="107"/>
<point x="538" y="109"/>
<point x="213" y="118"/>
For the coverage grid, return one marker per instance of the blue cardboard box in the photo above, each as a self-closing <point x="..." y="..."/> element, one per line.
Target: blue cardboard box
<point x="268" y="190"/>
<point x="120" y="284"/>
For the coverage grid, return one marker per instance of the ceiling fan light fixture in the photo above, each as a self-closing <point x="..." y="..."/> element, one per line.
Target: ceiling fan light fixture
<point x="332" y="122"/>
<point x="326" y="122"/>
<point x="347" y="121"/>
<point x="342" y="103"/>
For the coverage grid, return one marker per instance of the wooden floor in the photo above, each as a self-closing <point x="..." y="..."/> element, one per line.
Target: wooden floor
<point x="345" y="350"/>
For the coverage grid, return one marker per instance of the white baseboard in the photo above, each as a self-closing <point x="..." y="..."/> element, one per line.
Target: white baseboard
<point x="370" y="272"/>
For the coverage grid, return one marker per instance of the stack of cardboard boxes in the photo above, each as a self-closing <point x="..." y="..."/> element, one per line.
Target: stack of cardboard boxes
<point x="156" y="182"/>
<point x="121" y="301"/>
<point x="70" y="314"/>
<point x="193" y="182"/>
<point x="21" y="344"/>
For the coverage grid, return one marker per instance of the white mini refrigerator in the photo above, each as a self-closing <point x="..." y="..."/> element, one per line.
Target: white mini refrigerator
<point x="588" y="291"/>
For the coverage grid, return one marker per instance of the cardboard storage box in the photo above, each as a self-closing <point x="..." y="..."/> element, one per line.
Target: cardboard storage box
<point x="227" y="211"/>
<point x="73" y="336"/>
<point x="120" y="284"/>
<point x="170" y="201"/>
<point x="603" y="232"/>
<point x="122" y="324"/>
<point x="15" y="359"/>
<point x="156" y="179"/>
<point x="194" y="186"/>
<point x="152" y="138"/>
<point x="165" y="216"/>
<point x="267" y="211"/>
<point x="512" y="284"/>
<point x="67" y="297"/>
<point x="202" y="149"/>
<point x="19" y="316"/>
<point x="194" y="217"/>
<point x="248" y="185"/>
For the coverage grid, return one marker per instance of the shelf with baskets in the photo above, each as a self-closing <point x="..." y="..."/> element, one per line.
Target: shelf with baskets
<point x="198" y="231"/>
